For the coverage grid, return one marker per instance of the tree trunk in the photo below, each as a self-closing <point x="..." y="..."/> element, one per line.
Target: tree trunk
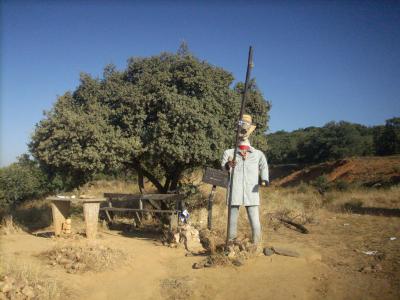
<point x="141" y="183"/>
<point x="174" y="183"/>
<point x="141" y="170"/>
<point x="175" y="179"/>
<point x="167" y="183"/>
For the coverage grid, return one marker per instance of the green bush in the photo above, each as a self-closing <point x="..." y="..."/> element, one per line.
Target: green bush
<point x="21" y="181"/>
<point x="193" y="197"/>
<point x="321" y="184"/>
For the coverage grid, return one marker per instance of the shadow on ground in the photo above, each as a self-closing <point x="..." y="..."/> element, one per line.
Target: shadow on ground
<point x="33" y="218"/>
<point x="148" y="232"/>
<point x="44" y="234"/>
<point x="355" y="208"/>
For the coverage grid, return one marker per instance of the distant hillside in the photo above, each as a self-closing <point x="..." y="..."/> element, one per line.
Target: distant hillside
<point x="333" y="141"/>
<point x="368" y="171"/>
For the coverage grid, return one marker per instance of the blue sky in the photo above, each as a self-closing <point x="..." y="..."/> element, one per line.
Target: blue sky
<point x="316" y="61"/>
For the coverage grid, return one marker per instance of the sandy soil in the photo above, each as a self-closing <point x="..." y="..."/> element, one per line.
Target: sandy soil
<point x="331" y="266"/>
<point x="154" y="271"/>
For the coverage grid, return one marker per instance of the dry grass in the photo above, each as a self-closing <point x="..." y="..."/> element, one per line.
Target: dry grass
<point x="301" y="204"/>
<point x="368" y="197"/>
<point x="98" y="188"/>
<point x="8" y="226"/>
<point x="22" y="279"/>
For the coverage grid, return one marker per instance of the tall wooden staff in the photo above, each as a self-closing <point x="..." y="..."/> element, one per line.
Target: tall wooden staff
<point x="244" y="95"/>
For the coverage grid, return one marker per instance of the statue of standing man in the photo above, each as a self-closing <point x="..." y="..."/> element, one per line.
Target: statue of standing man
<point x="250" y="164"/>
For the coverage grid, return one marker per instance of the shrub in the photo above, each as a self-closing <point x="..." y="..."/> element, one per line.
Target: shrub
<point x="193" y="197"/>
<point x="21" y="181"/>
<point x="321" y="184"/>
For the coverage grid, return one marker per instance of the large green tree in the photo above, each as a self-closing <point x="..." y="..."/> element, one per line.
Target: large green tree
<point x="161" y="116"/>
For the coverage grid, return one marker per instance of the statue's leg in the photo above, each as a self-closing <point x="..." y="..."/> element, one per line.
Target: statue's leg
<point x="233" y="222"/>
<point x="254" y="217"/>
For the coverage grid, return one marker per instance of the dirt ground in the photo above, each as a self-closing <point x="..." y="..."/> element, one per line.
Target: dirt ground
<point x="332" y="264"/>
<point x="368" y="171"/>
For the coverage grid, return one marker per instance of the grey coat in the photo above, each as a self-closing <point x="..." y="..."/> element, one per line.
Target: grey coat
<point x="246" y="176"/>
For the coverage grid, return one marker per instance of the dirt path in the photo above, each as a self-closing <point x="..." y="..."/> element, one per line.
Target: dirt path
<point x="157" y="272"/>
<point x="332" y="265"/>
<point x="260" y="278"/>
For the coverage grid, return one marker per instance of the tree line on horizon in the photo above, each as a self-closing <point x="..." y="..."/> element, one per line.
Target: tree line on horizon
<point x="334" y="140"/>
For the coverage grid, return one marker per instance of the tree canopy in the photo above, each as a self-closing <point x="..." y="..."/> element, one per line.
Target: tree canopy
<point x="334" y="140"/>
<point x="162" y="115"/>
<point x="387" y="138"/>
<point x="21" y="181"/>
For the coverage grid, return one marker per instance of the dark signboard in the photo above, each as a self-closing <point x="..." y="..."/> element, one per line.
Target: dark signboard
<point x="216" y="177"/>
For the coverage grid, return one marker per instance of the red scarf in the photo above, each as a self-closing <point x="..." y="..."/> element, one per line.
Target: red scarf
<point x="243" y="151"/>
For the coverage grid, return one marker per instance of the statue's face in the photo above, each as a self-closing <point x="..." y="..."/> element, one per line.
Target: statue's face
<point x="245" y="130"/>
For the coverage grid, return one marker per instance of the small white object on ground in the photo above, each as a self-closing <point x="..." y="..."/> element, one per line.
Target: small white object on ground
<point x="392" y="238"/>
<point x="370" y="252"/>
<point x="346" y="224"/>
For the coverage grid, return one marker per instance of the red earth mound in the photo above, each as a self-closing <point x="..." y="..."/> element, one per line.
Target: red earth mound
<point x="362" y="170"/>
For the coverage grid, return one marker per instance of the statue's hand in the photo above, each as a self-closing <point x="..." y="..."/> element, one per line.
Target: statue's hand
<point x="264" y="183"/>
<point x="230" y="164"/>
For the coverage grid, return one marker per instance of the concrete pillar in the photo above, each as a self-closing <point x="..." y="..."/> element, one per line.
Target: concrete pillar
<point x="91" y="213"/>
<point x="61" y="212"/>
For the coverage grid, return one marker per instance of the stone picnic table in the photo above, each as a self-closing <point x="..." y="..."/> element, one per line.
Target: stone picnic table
<point x="60" y="207"/>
